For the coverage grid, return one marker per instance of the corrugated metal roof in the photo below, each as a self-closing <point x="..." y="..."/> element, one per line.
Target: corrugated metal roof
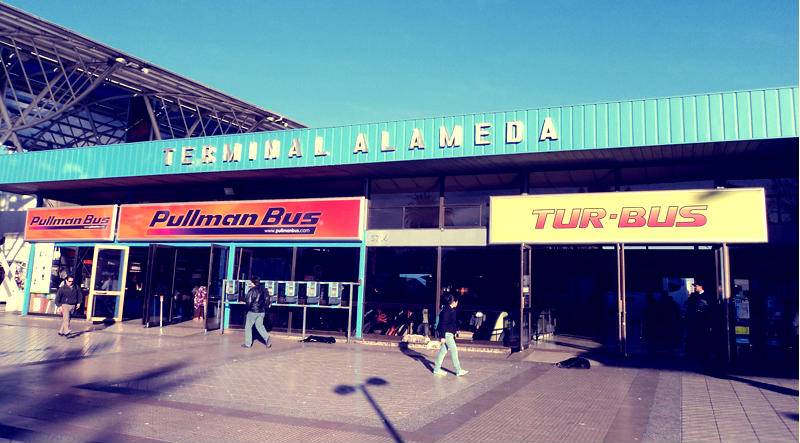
<point x="702" y="121"/>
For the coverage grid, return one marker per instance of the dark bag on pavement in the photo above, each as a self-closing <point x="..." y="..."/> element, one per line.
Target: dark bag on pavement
<point x="574" y="363"/>
<point x="317" y="338"/>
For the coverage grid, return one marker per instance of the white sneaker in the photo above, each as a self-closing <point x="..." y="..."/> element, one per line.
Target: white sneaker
<point x="440" y="373"/>
<point x="462" y="372"/>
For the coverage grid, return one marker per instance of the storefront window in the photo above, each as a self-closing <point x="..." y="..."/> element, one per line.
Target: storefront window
<point x="486" y="282"/>
<point x="267" y="263"/>
<point x="404" y="203"/>
<point x="327" y="264"/>
<point x="76" y="261"/>
<point x="400" y="291"/>
<point x="782" y="197"/>
<point x="571" y="181"/>
<point x="466" y="197"/>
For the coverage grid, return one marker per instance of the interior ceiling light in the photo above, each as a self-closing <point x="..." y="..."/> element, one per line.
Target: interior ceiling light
<point x="119" y="60"/>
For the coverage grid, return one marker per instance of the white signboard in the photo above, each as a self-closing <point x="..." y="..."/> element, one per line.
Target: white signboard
<point x="41" y="269"/>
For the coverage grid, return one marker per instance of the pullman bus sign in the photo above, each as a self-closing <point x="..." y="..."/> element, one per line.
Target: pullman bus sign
<point x="671" y="217"/>
<point x="448" y="137"/>
<point x="265" y="220"/>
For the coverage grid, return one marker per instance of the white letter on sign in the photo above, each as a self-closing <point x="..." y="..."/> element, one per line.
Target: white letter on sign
<point x="319" y="147"/>
<point x="548" y="130"/>
<point x="361" y="144"/>
<point x="417" y="141"/>
<point x="482" y="130"/>
<point x="445" y="140"/>
<point x="514" y="132"/>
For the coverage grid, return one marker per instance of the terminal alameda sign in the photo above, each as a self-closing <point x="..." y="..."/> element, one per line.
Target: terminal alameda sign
<point x="671" y="217"/>
<point x="452" y="137"/>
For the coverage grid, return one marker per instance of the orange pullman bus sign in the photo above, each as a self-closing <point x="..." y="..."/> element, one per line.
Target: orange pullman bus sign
<point x="95" y="223"/>
<point x="311" y="220"/>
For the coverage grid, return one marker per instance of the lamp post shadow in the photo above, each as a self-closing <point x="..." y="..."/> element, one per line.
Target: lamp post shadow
<point x="374" y="381"/>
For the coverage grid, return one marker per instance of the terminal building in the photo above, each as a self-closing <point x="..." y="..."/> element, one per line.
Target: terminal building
<point x="590" y="220"/>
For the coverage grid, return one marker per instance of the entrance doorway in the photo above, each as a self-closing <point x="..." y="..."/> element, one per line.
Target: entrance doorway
<point x="107" y="292"/>
<point x="658" y="284"/>
<point x="184" y="286"/>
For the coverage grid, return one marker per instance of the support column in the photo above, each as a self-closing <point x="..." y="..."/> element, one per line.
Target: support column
<point x="724" y="294"/>
<point x="524" y="182"/>
<point x="621" y="309"/>
<point x="153" y="121"/>
<point x="362" y="287"/>
<point x="438" y="279"/>
<point x="226" y="314"/>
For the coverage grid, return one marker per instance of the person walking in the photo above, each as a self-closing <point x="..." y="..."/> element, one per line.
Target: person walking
<point x="700" y="309"/>
<point x="447" y="328"/>
<point x="67" y="299"/>
<point x="257" y="303"/>
<point x="200" y="294"/>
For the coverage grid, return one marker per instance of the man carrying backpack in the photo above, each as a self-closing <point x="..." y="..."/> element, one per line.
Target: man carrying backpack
<point x="257" y="300"/>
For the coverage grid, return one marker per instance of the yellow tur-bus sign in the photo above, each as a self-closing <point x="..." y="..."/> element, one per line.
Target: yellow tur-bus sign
<point x="685" y="217"/>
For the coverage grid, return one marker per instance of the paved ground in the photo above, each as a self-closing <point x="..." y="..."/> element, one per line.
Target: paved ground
<point x="126" y="383"/>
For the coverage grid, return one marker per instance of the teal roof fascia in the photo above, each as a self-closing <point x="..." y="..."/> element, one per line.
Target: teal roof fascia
<point x="713" y="117"/>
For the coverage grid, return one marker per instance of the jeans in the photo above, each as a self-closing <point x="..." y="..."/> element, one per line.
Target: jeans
<point x="448" y="345"/>
<point x="256" y="318"/>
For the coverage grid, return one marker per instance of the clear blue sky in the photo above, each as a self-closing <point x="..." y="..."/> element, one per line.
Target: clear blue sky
<point x="327" y="63"/>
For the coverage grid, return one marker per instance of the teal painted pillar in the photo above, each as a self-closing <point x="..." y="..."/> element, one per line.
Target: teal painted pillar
<point x="362" y="270"/>
<point x="26" y="299"/>
<point x="228" y="275"/>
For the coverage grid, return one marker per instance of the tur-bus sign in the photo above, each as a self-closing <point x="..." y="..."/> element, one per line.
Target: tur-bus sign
<point x="670" y="217"/>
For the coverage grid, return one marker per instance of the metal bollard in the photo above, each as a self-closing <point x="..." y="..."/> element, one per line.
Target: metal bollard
<point x="161" y="314"/>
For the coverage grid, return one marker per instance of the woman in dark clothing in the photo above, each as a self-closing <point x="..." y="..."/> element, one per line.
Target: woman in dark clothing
<point x="448" y="326"/>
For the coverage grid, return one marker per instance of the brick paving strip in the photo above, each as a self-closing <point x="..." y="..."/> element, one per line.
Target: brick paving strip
<point x="435" y="430"/>
<point x="105" y="385"/>
<point x="631" y="420"/>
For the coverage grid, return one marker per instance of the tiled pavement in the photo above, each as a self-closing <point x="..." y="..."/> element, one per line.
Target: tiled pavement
<point x="126" y="383"/>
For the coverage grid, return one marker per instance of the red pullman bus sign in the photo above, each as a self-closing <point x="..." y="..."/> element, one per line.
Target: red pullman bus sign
<point x="94" y="223"/>
<point x="291" y="220"/>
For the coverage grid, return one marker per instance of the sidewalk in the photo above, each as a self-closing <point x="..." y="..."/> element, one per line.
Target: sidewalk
<point x="127" y="383"/>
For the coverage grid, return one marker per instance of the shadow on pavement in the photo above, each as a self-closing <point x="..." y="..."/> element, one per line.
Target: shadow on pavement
<point x="374" y="381"/>
<point x="761" y="385"/>
<point x="416" y="356"/>
<point x="712" y="366"/>
<point x="53" y="399"/>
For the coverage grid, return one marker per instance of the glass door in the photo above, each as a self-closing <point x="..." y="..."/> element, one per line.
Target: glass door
<point x="217" y="270"/>
<point x="107" y="289"/>
<point x="160" y="285"/>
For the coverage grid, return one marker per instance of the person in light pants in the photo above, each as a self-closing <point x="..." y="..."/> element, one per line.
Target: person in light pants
<point x="257" y="300"/>
<point x="447" y="328"/>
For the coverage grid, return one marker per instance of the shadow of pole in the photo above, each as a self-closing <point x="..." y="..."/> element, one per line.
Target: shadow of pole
<point x="375" y="381"/>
